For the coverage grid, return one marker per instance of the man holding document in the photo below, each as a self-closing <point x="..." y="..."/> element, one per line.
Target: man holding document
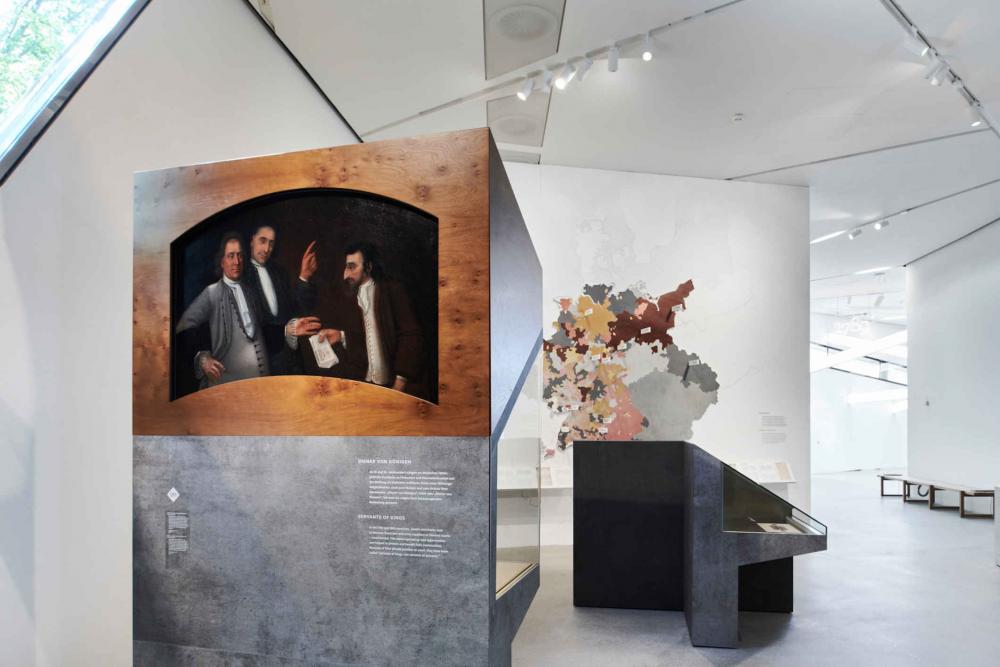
<point x="381" y="341"/>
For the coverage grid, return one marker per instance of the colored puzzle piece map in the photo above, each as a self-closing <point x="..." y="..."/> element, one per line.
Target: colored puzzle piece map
<point x="612" y="371"/>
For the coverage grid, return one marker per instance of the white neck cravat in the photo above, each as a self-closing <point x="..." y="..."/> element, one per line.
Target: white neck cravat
<point x="267" y="286"/>
<point x="241" y="305"/>
<point x="377" y="371"/>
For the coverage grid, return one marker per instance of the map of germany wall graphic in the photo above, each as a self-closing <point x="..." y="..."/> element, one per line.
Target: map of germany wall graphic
<point x="612" y="369"/>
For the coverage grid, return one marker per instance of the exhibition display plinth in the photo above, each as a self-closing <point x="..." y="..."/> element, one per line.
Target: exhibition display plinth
<point x="315" y="461"/>
<point x="665" y="525"/>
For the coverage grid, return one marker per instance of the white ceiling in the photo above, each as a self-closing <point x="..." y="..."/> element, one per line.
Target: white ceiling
<point x="830" y="97"/>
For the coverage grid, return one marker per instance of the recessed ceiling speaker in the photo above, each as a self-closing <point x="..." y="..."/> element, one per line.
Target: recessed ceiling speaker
<point x="524" y="23"/>
<point x="515" y="126"/>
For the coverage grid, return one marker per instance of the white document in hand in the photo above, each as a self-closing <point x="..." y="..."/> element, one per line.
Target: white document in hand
<point x="323" y="351"/>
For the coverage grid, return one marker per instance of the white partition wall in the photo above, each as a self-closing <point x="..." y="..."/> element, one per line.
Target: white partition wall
<point x="745" y="248"/>
<point x="190" y="82"/>
<point x="953" y="311"/>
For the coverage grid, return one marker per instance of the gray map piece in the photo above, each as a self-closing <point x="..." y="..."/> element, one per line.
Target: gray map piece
<point x="561" y="338"/>
<point x="623" y="301"/>
<point x="700" y="374"/>
<point x="598" y="293"/>
<point x="671" y="406"/>
<point x="703" y="376"/>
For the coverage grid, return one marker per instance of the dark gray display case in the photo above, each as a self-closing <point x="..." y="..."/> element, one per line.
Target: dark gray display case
<point x="665" y="525"/>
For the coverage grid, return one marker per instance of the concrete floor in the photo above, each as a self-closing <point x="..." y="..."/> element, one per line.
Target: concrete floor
<point x="899" y="585"/>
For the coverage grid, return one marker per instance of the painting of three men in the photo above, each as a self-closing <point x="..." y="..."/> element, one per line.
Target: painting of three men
<point x="308" y="282"/>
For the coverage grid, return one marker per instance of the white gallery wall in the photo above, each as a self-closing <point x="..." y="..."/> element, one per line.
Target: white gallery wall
<point x="862" y="436"/>
<point x="745" y="246"/>
<point x="190" y="82"/>
<point x="953" y="311"/>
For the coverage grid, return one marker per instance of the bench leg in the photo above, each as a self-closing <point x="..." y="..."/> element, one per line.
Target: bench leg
<point x="978" y="515"/>
<point x="961" y="504"/>
<point x="930" y="497"/>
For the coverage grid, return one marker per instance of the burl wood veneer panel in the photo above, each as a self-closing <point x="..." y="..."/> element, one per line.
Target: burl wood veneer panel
<point x="446" y="175"/>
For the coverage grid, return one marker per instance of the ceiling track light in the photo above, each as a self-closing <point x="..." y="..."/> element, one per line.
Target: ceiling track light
<point x="526" y="89"/>
<point x="916" y="45"/>
<point x="880" y="225"/>
<point x="975" y="114"/>
<point x="583" y="68"/>
<point x="613" y="58"/>
<point x="647" y="48"/>
<point x="936" y="72"/>
<point x="854" y="233"/>
<point x="565" y="76"/>
<point x="546" y="86"/>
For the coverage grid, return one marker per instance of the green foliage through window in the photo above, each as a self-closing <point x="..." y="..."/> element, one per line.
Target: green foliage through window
<point x="34" y="34"/>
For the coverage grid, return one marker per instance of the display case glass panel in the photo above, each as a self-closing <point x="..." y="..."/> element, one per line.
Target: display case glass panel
<point x="749" y="507"/>
<point x="518" y="488"/>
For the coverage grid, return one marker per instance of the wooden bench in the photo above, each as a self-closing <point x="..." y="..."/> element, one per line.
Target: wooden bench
<point x="934" y="486"/>
<point x="892" y="477"/>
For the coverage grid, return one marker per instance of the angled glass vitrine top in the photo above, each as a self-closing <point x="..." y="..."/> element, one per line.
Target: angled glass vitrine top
<point x="748" y="507"/>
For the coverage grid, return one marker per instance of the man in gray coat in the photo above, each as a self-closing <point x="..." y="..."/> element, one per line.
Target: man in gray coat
<point x="238" y="350"/>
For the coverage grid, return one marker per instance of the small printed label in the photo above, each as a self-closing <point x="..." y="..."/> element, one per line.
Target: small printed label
<point x="678" y="308"/>
<point x="645" y="330"/>
<point x="589" y="311"/>
<point x="173" y="494"/>
<point x="603" y="430"/>
<point x="694" y="362"/>
<point x="178" y="534"/>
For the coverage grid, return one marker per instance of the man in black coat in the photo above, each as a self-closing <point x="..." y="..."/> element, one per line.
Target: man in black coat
<point x="282" y="304"/>
<point x="381" y="341"/>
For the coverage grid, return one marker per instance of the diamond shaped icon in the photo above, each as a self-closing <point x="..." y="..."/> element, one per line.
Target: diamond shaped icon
<point x="173" y="494"/>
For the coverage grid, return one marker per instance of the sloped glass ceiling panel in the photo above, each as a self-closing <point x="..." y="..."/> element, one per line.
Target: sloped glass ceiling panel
<point x="47" y="46"/>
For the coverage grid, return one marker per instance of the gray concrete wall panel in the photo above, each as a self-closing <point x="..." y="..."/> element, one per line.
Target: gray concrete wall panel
<point x="279" y="564"/>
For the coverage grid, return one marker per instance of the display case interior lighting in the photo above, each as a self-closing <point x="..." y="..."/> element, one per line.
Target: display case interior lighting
<point x="857" y="398"/>
<point x="647" y="48"/>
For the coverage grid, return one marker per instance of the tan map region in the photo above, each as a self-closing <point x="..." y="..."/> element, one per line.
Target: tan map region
<point x="587" y="376"/>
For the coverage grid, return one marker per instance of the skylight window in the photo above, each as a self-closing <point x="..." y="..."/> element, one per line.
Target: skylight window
<point x="47" y="49"/>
